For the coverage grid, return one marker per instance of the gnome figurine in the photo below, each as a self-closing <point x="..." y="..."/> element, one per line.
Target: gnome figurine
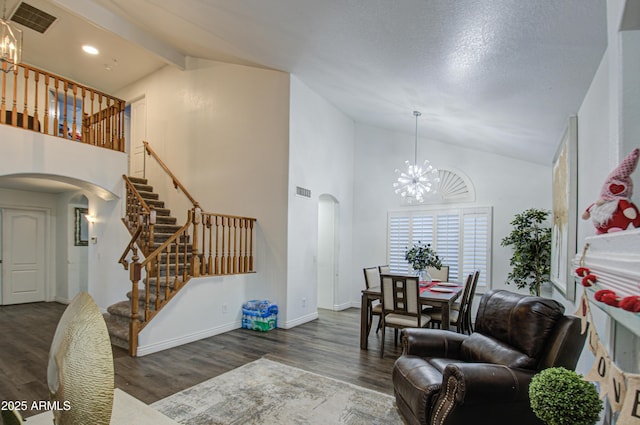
<point x="614" y="211"/>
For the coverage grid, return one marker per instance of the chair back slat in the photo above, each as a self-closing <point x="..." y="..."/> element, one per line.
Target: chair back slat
<point x="442" y="275"/>
<point x="371" y="277"/>
<point x="467" y="325"/>
<point x="386" y="269"/>
<point x="464" y="301"/>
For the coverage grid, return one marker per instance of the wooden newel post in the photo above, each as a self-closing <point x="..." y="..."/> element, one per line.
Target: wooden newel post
<point x="195" y="257"/>
<point x="134" y="325"/>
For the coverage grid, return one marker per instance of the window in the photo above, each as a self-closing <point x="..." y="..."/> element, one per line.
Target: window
<point x="460" y="236"/>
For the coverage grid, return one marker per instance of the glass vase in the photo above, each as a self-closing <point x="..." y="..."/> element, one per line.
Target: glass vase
<point x="424" y="276"/>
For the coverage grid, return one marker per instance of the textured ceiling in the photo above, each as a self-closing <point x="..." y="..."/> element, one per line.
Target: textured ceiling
<point x="495" y="75"/>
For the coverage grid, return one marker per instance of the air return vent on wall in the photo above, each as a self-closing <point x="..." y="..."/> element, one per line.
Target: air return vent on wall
<point x="302" y="192"/>
<point x="33" y="18"/>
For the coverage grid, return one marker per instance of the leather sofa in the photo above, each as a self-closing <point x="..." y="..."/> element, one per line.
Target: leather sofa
<point x="443" y="377"/>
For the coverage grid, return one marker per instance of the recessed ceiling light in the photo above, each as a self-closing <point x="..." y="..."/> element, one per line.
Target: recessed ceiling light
<point x="90" y="49"/>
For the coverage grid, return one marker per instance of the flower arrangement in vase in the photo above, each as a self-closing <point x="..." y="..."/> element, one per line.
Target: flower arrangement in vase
<point x="421" y="256"/>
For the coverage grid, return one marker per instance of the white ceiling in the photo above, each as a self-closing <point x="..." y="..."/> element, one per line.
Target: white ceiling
<point x="497" y="75"/>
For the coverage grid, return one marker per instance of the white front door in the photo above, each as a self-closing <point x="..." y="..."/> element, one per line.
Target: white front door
<point x="23" y="262"/>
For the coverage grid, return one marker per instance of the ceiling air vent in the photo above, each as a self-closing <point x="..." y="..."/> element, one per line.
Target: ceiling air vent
<point x="33" y="18"/>
<point x="301" y="191"/>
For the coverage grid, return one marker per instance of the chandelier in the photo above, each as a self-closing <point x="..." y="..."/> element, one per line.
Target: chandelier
<point x="418" y="180"/>
<point x="10" y="43"/>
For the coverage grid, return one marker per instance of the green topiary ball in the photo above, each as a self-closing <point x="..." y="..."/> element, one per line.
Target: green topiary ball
<point x="561" y="397"/>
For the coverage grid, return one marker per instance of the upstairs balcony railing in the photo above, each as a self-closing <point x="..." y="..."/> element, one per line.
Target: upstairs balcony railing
<point x="40" y="101"/>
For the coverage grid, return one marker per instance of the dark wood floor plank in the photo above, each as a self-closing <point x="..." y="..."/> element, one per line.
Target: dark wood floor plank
<point x="328" y="346"/>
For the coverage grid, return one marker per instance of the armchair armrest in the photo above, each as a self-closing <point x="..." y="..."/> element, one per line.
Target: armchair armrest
<point x="481" y="384"/>
<point x="432" y="342"/>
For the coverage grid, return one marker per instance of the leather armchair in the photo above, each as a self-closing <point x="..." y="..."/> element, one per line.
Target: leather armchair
<point x="443" y="377"/>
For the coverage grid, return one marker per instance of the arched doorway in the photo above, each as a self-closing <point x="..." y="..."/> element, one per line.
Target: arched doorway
<point x="328" y="225"/>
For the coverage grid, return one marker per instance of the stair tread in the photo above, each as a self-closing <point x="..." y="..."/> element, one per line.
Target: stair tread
<point x="140" y="180"/>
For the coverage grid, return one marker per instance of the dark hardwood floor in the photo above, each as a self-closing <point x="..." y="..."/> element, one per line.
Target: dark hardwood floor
<point x="328" y="346"/>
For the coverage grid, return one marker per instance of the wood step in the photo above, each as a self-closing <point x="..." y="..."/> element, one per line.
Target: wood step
<point x="164" y="212"/>
<point x="137" y="180"/>
<point x="155" y="203"/>
<point x="162" y="237"/>
<point x="143" y="187"/>
<point x="148" y="195"/>
<point x="166" y="228"/>
<point x="166" y="219"/>
<point x="123" y="309"/>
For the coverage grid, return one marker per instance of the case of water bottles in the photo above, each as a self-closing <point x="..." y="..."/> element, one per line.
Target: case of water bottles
<point x="259" y="315"/>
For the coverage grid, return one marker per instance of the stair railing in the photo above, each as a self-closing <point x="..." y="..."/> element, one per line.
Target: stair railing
<point x="174" y="179"/>
<point x="209" y="244"/>
<point x="131" y="247"/>
<point x="166" y="267"/>
<point x="37" y="100"/>
<point x="139" y="215"/>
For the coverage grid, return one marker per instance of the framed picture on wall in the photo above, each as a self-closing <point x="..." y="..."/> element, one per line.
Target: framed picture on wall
<point x="565" y="211"/>
<point x="81" y="228"/>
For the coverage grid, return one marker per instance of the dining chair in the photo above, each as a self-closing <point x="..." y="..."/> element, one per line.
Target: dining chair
<point x="460" y="312"/>
<point x="467" y="322"/>
<point x="386" y="269"/>
<point x="400" y="305"/>
<point x="442" y="275"/>
<point x="372" y="278"/>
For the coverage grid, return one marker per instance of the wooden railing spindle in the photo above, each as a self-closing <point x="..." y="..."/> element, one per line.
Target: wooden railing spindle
<point x="14" y="106"/>
<point x="46" y="105"/>
<point x="65" y="123"/>
<point x="25" y="112"/>
<point x="36" y="78"/>
<point x="3" y="104"/>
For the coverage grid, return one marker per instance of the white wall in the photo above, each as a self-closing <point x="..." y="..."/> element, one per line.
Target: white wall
<point x="223" y="130"/>
<point x="607" y="131"/>
<point x="98" y="172"/>
<point x="510" y="186"/>
<point x="321" y="158"/>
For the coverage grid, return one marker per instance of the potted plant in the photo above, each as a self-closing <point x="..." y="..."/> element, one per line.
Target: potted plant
<point x="531" y="242"/>
<point x="559" y="396"/>
<point x="421" y="256"/>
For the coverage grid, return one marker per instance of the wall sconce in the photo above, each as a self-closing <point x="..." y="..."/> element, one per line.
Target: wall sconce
<point x="91" y="219"/>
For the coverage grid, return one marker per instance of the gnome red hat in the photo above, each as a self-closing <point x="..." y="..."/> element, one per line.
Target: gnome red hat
<point x="619" y="184"/>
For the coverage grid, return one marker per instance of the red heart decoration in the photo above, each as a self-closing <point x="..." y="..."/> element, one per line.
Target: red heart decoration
<point x="616" y="188"/>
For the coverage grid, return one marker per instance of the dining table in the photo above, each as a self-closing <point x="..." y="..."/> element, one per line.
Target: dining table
<point x="436" y="294"/>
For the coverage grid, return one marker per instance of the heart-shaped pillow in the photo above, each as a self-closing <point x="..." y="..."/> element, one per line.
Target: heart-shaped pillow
<point x="616" y="188"/>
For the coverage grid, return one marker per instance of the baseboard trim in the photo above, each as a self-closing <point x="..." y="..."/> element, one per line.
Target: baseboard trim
<point x="143" y="350"/>
<point x="299" y="321"/>
<point x="61" y="300"/>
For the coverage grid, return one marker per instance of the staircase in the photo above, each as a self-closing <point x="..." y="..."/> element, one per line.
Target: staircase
<point x="163" y="256"/>
<point x="118" y="316"/>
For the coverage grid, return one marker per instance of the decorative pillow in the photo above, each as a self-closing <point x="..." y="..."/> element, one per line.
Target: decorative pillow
<point x="80" y="370"/>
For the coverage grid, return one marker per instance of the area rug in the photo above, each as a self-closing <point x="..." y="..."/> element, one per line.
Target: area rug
<point x="268" y="392"/>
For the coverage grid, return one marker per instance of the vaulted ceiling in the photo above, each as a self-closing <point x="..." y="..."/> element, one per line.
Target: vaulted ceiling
<point x="496" y="75"/>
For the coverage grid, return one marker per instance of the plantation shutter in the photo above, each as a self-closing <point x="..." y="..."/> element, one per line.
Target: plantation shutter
<point x="461" y="237"/>
<point x="476" y="245"/>
<point x="399" y="226"/>
<point x="448" y="243"/>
